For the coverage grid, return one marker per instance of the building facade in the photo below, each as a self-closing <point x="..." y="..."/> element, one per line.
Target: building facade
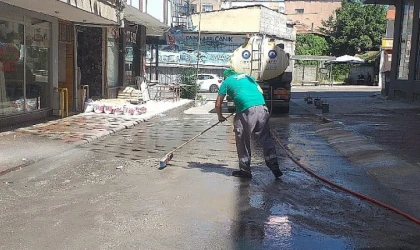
<point x="50" y="49"/>
<point x="306" y="14"/>
<point x="272" y="4"/>
<point x="38" y="53"/>
<point x="404" y="76"/>
<point x="310" y="13"/>
<point x="206" y="5"/>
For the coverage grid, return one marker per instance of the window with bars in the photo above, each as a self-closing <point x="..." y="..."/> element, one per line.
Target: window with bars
<point x="65" y="32"/>
<point x="299" y="11"/>
<point x="207" y="7"/>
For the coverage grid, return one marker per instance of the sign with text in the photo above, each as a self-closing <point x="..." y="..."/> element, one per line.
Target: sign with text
<point x="215" y="49"/>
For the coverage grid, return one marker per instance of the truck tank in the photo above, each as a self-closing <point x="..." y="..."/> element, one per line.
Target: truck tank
<point x="261" y="58"/>
<point x="266" y="61"/>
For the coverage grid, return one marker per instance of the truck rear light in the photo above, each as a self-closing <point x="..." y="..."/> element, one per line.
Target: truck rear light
<point x="281" y="92"/>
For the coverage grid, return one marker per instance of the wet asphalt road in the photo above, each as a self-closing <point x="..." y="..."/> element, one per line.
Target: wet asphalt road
<point x="109" y="194"/>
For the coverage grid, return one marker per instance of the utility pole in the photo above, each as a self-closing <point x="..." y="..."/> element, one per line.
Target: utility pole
<point x="198" y="50"/>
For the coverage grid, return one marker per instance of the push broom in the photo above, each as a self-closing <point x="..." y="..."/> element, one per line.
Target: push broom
<point x="164" y="161"/>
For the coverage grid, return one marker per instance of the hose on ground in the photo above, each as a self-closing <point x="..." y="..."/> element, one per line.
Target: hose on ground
<point x="361" y="196"/>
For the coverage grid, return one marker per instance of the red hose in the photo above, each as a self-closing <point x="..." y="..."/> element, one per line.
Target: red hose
<point x="361" y="196"/>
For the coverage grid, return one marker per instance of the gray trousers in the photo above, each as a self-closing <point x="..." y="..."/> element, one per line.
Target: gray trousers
<point x="254" y="121"/>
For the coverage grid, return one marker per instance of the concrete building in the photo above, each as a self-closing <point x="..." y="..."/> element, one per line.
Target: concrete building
<point x="404" y="76"/>
<point x="222" y="31"/>
<point x="272" y="4"/>
<point x="310" y="13"/>
<point x="306" y="14"/>
<point x="256" y="19"/>
<point x="206" y="5"/>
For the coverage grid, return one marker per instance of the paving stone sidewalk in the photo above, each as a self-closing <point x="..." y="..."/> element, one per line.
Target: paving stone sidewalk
<point x="26" y="145"/>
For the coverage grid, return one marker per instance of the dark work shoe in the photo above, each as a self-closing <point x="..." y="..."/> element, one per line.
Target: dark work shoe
<point x="241" y="174"/>
<point x="277" y="173"/>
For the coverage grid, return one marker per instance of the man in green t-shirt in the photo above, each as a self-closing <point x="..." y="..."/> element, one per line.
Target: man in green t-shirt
<point x="251" y="119"/>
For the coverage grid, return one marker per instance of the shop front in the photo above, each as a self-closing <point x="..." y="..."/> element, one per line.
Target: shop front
<point x="25" y="62"/>
<point x="38" y="54"/>
<point x="124" y="56"/>
<point x="147" y="28"/>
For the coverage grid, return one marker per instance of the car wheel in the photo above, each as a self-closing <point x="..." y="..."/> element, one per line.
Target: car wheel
<point x="214" y="88"/>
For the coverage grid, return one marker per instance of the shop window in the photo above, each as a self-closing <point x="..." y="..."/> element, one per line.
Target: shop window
<point x="405" y="39"/>
<point x="130" y="56"/>
<point x="11" y="68"/>
<point x="37" y="60"/>
<point x="24" y="81"/>
<point x="113" y="48"/>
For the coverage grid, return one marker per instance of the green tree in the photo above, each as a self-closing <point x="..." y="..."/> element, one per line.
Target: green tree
<point x="188" y="80"/>
<point x="355" y="27"/>
<point x="310" y="44"/>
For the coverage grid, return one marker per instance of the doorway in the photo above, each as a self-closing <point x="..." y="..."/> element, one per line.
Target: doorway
<point x="66" y="60"/>
<point x="90" y="59"/>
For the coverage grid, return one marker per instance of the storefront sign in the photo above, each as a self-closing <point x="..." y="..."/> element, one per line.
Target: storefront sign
<point x="215" y="49"/>
<point x="208" y="42"/>
<point x="387" y="43"/>
<point x="184" y="57"/>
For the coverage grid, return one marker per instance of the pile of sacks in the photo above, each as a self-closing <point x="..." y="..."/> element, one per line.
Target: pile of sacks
<point x="114" y="106"/>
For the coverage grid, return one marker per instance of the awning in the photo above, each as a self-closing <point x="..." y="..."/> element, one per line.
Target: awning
<point x="312" y="58"/>
<point x="80" y="11"/>
<point x="347" y="59"/>
<point x="154" y="27"/>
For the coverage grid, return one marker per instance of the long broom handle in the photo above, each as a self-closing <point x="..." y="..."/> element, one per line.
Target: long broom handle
<point x="202" y="132"/>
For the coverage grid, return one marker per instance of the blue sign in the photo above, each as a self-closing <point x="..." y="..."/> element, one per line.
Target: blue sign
<point x="215" y="49"/>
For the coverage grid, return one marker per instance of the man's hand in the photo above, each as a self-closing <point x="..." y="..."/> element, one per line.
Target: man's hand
<point x="222" y="118"/>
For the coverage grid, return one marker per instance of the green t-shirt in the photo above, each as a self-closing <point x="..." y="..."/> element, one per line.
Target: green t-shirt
<point x="243" y="89"/>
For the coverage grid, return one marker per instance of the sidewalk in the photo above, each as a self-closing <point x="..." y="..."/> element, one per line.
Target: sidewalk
<point x="27" y="145"/>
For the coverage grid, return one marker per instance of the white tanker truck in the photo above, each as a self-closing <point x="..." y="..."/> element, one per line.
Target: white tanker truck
<point x="266" y="61"/>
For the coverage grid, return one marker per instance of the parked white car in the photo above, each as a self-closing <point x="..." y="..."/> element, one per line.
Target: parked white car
<point x="209" y="82"/>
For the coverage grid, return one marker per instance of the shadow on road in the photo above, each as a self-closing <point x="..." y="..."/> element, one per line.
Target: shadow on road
<point x="211" y="168"/>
